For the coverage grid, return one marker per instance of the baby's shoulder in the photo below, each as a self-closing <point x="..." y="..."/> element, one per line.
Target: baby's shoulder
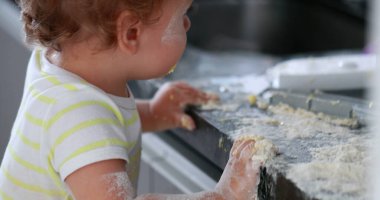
<point x="65" y="90"/>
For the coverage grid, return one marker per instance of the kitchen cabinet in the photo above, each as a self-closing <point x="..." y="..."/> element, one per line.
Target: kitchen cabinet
<point x="165" y="170"/>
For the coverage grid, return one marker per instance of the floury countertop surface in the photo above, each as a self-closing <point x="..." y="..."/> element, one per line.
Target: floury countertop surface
<point x="320" y="156"/>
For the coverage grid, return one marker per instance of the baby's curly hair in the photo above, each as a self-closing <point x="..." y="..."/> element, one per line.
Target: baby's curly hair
<point x="51" y="22"/>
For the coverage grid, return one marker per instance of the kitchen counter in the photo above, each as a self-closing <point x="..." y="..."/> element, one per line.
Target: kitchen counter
<point x="308" y="144"/>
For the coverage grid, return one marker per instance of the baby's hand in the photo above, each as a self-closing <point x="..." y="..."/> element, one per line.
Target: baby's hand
<point x="240" y="177"/>
<point x="167" y="106"/>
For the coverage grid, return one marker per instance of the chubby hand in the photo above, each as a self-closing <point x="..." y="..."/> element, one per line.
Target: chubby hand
<point x="240" y="177"/>
<point x="170" y="101"/>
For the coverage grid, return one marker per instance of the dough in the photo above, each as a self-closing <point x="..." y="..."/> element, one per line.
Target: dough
<point x="264" y="149"/>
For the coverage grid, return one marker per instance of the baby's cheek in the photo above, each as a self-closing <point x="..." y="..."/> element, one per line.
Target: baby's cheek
<point x="174" y="39"/>
<point x="175" y="31"/>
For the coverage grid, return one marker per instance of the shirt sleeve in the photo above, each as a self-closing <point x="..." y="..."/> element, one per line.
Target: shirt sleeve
<point x="82" y="128"/>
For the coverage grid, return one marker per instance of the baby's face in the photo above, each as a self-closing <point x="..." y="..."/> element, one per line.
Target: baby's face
<point x="165" y="41"/>
<point x="178" y="23"/>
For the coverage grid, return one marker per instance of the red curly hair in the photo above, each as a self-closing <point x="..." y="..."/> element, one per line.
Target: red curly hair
<point x="51" y="22"/>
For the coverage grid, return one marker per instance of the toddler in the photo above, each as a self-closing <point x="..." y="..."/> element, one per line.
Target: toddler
<point x="77" y="132"/>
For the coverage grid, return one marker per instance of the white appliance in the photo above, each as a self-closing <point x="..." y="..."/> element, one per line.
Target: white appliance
<point x="338" y="72"/>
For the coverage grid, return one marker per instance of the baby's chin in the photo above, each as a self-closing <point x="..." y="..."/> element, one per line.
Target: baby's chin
<point x="161" y="73"/>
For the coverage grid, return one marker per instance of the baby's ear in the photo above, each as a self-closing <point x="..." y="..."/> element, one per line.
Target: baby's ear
<point x="128" y="32"/>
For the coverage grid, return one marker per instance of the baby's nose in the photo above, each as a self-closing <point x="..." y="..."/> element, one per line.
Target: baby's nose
<point x="186" y="23"/>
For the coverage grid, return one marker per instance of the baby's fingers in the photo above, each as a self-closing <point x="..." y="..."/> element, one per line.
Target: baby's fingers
<point x="191" y="95"/>
<point x="239" y="148"/>
<point x="185" y="121"/>
<point x="248" y="151"/>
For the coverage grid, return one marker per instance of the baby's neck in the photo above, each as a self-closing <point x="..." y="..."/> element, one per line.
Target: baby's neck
<point x="98" y="67"/>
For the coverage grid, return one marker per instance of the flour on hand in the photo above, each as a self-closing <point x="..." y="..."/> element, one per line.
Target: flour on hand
<point x="264" y="149"/>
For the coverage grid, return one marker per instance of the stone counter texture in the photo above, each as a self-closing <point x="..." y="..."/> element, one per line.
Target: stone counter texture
<point x="317" y="159"/>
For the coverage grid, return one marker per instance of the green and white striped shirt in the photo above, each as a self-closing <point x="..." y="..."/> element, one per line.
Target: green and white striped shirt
<point x="63" y="124"/>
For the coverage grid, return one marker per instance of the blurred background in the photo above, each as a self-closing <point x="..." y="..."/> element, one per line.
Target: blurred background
<point x="280" y="27"/>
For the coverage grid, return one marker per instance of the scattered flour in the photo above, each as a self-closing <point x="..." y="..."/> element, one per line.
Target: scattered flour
<point x="326" y="180"/>
<point x="337" y="169"/>
<point x="337" y="172"/>
<point x="284" y="109"/>
<point x="336" y="162"/>
<point x="264" y="149"/>
<point x="293" y="123"/>
<point x="214" y="105"/>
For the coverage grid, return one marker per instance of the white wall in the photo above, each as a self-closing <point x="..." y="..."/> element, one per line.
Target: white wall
<point x="13" y="60"/>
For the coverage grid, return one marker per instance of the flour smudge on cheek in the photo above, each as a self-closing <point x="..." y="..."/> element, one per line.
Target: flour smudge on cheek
<point x="174" y="31"/>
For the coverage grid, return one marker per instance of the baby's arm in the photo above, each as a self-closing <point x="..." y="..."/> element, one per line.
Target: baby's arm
<point x="108" y="180"/>
<point x="100" y="181"/>
<point x="166" y="109"/>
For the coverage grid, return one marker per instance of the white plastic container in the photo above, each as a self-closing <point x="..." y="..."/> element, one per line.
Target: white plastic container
<point x="341" y="72"/>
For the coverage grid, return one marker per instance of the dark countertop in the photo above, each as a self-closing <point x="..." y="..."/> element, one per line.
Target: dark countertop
<point x="300" y="141"/>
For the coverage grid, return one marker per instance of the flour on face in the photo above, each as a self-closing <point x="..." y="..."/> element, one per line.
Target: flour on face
<point x="173" y="31"/>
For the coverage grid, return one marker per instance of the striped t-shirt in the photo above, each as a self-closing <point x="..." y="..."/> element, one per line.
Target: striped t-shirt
<point x="63" y="124"/>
